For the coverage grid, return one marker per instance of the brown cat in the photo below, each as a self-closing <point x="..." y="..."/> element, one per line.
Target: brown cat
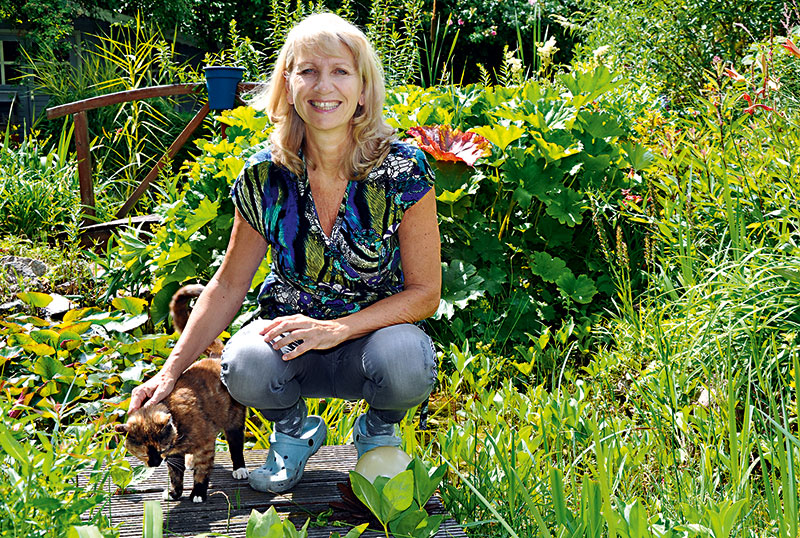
<point x="179" y="311"/>
<point x="187" y="422"/>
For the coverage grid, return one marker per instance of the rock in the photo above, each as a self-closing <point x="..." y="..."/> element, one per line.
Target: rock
<point x="24" y="267"/>
<point x="58" y="307"/>
<point x="11" y="307"/>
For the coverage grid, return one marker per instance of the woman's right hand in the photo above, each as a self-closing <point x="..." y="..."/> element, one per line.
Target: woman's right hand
<point x="151" y="391"/>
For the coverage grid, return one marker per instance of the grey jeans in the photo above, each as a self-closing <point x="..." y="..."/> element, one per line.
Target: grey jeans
<point x="393" y="369"/>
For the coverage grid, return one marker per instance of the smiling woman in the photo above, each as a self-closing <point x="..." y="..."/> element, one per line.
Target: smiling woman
<point x="349" y="216"/>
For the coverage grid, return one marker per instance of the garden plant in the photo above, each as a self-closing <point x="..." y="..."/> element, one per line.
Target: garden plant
<point x="619" y="332"/>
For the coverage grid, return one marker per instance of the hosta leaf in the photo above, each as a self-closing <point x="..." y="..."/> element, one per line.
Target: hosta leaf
<point x="581" y="289"/>
<point x="547" y="267"/>
<point x="447" y="144"/>
<point x="500" y="135"/>
<point x="566" y="207"/>
<point x="34" y="298"/>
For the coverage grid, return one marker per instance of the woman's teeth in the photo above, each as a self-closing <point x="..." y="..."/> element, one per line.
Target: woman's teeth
<point x="324" y="105"/>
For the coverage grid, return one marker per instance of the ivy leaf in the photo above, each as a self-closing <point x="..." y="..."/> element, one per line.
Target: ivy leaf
<point x="581" y="289"/>
<point x="547" y="267"/>
<point x="566" y="207"/>
<point x="460" y="285"/>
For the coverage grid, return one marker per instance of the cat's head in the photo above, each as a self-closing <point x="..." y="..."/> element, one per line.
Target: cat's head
<point x="150" y="433"/>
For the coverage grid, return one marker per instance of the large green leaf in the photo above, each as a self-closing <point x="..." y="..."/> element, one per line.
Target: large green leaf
<point x="581" y="289"/>
<point x="566" y="207"/>
<point x="34" y="298"/>
<point x="50" y="368"/>
<point x="398" y="494"/>
<point x="366" y="492"/>
<point x="638" y="156"/>
<point x="500" y="135"/>
<point x="461" y="284"/>
<point x="547" y="267"/>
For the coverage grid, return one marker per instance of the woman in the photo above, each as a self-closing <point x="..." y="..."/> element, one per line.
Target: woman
<point x="350" y="216"/>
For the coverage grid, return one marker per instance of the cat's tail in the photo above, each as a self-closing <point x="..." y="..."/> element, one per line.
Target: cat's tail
<point x="179" y="311"/>
<point x="179" y="305"/>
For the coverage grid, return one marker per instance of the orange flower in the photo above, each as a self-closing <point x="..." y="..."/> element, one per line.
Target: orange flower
<point x="792" y="48"/>
<point x="447" y="144"/>
<point x="729" y="71"/>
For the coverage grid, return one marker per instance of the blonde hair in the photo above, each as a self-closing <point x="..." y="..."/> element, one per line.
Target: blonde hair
<point x="371" y="134"/>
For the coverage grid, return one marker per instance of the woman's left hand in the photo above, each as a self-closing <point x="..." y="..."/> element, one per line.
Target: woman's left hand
<point x="314" y="333"/>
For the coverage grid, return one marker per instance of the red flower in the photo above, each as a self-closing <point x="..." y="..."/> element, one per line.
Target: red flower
<point x="751" y="109"/>
<point x="447" y="144"/>
<point x="792" y="48"/>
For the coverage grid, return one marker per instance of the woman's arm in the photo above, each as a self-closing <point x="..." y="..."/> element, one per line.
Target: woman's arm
<point x="212" y="313"/>
<point x="420" y="253"/>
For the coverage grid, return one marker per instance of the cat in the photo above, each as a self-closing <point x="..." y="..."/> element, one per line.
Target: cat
<point x="179" y="311"/>
<point x="187" y="422"/>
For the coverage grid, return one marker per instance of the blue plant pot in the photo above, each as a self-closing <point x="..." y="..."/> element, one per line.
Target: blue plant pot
<point x="221" y="83"/>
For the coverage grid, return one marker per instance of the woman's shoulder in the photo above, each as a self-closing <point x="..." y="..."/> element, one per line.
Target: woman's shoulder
<point x="401" y="160"/>
<point x="262" y="154"/>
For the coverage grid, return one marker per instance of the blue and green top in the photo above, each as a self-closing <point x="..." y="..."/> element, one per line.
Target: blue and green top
<point x="359" y="264"/>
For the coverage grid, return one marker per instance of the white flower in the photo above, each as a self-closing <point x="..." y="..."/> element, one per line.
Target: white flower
<point x="599" y="52"/>
<point x="548" y="49"/>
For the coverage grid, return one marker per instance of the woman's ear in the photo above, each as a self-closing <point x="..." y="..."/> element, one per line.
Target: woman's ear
<point x="288" y="88"/>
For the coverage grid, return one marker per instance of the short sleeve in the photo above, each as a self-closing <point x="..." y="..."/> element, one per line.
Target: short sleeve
<point x="248" y="191"/>
<point x="414" y="179"/>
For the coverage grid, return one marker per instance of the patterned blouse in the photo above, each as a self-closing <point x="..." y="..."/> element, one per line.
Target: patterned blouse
<point x="359" y="264"/>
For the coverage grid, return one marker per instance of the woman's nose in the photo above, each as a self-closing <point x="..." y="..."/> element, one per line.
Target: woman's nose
<point x="323" y="82"/>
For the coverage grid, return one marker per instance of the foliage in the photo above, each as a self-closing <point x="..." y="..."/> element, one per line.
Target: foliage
<point x="393" y="28"/>
<point x="670" y="44"/>
<point x="526" y="206"/>
<point x="39" y="469"/>
<point x="128" y="139"/>
<point x="398" y="502"/>
<point x="191" y="243"/>
<point x="38" y="188"/>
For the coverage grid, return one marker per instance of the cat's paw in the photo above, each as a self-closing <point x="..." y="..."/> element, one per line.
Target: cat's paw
<point x="240" y="473"/>
<point x="198" y="499"/>
<point x="168" y="495"/>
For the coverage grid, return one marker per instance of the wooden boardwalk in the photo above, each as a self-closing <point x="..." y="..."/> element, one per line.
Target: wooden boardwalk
<point x="231" y="501"/>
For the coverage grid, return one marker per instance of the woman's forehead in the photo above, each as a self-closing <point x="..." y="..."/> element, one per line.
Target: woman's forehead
<point x="323" y="50"/>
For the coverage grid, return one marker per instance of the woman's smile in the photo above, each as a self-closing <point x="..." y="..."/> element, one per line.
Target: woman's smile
<point x="325" y="89"/>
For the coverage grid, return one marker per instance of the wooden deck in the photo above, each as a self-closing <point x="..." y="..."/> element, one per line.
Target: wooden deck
<point x="231" y="501"/>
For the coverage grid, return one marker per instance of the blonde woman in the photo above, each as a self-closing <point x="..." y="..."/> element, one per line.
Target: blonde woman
<point x="350" y="216"/>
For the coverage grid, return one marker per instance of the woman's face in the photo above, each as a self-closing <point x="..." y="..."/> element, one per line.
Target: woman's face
<point x="325" y="89"/>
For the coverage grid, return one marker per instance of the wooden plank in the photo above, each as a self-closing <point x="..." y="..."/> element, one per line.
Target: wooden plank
<point x="84" y="165"/>
<point x="171" y="152"/>
<point x="122" y="97"/>
<point x="231" y="501"/>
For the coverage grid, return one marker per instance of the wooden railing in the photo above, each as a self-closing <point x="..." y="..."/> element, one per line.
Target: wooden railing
<point x="78" y="110"/>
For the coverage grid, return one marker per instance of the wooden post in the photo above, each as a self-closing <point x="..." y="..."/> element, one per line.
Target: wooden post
<point x="173" y="149"/>
<point x="84" y="166"/>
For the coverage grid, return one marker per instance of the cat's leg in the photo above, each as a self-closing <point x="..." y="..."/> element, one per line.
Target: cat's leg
<point x="203" y="463"/>
<point x="189" y="462"/>
<point x="235" y="438"/>
<point x="175" y="466"/>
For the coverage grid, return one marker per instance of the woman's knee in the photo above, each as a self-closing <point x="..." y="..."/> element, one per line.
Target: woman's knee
<point x="252" y="371"/>
<point x="401" y="364"/>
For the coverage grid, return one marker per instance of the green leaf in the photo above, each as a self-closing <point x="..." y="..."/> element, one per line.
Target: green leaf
<point x="34" y="298"/>
<point x="500" y="135"/>
<point x="460" y="285"/>
<point x="425" y="480"/>
<point x="638" y="156"/>
<point x="50" y="368"/>
<point x="366" y="493"/>
<point x="399" y="492"/>
<point x="557" y="493"/>
<point x="566" y="207"/>
<point x="12" y="447"/>
<point x="266" y="525"/>
<point x="600" y="124"/>
<point x="153" y="520"/>
<point x="547" y="267"/>
<point x="581" y="289"/>
<point x="407" y="523"/>
<point x="131" y="305"/>
<point x="84" y="531"/>
<point x="552" y="150"/>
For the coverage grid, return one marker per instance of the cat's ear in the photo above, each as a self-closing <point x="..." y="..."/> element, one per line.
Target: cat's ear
<point x="121" y="428"/>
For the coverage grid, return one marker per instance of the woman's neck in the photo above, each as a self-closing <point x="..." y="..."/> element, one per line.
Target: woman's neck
<point x="327" y="155"/>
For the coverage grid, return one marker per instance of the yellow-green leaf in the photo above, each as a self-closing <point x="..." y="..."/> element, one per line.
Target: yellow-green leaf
<point x="34" y="298"/>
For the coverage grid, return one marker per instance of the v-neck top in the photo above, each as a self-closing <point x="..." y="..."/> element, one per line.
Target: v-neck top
<point x="321" y="276"/>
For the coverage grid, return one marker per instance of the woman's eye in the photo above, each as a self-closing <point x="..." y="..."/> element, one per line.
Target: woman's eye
<point x="341" y="72"/>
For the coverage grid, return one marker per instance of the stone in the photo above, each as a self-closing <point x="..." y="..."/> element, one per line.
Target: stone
<point x="58" y="306"/>
<point x="24" y="267"/>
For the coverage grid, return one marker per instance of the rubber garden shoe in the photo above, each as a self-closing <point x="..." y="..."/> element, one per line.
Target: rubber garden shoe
<point x="364" y="443"/>
<point x="287" y="457"/>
